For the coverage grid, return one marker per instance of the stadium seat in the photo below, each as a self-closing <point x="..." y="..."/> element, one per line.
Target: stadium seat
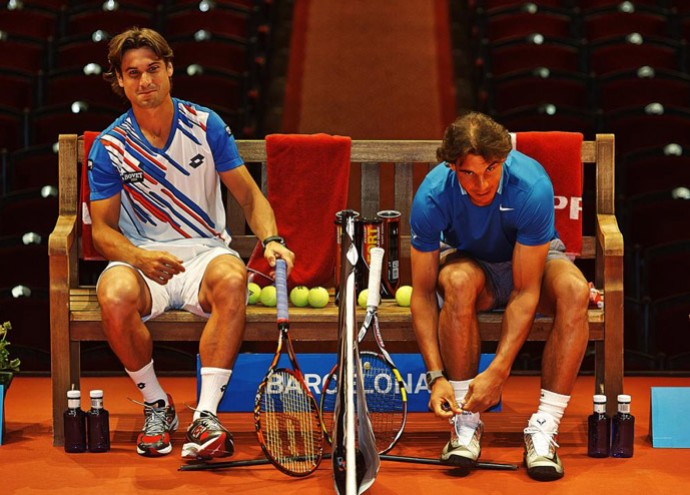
<point x="525" y="19"/>
<point x="625" y="18"/>
<point x="530" y="52"/>
<point x="646" y="126"/>
<point x="662" y="266"/>
<point x="28" y="309"/>
<point x="669" y="327"/>
<point x="549" y="117"/>
<point x="78" y="51"/>
<point x="32" y="167"/>
<point x="643" y="85"/>
<point x="224" y="20"/>
<point x="61" y="86"/>
<point x="24" y="260"/>
<point x="29" y="210"/>
<point x="634" y="50"/>
<point x="22" y="53"/>
<point x="216" y="51"/>
<point x="29" y="20"/>
<point x="535" y="87"/>
<point x="17" y="89"/>
<point x="47" y="123"/>
<point x="85" y="19"/>
<point x="13" y="129"/>
<point x="633" y="171"/>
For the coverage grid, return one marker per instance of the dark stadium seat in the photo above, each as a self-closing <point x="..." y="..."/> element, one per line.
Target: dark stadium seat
<point x="216" y="51"/>
<point x="225" y="20"/>
<point x="79" y="51"/>
<point x="549" y="117"/>
<point x="29" y="210"/>
<point x="530" y="52"/>
<point x="17" y="89"/>
<point x="13" y="129"/>
<point x="62" y="86"/>
<point x="29" y="20"/>
<point x="534" y="87"/>
<point x="47" y="123"/>
<point x="525" y="19"/>
<point x="669" y="328"/>
<point x="634" y="50"/>
<point x="643" y="85"/>
<point x="625" y="18"/>
<point x="85" y="19"/>
<point x="664" y="270"/>
<point x="646" y="126"/>
<point x="24" y="260"/>
<point x="22" y="53"/>
<point x="32" y="167"/>
<point x="636" y="172"/>
<point x="28" y="309"/>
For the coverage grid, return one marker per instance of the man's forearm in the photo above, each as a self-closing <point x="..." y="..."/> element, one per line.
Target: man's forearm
<point x="114" y="246"/>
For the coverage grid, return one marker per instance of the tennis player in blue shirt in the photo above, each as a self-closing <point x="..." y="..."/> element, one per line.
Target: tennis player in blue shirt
<point x="483" y="237"/>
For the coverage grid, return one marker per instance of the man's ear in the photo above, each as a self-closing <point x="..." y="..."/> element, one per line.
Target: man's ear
<point x="170" y="69"/>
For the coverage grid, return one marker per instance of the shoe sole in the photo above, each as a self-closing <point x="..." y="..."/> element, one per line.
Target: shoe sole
<point x="212" y="449"/>
<point x="151" y="452"/>
<point x="459" y="461"/>
<point x="543" y="473"/>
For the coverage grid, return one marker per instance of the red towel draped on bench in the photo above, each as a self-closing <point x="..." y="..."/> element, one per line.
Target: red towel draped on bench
<point x="560" y="153"/>
<point x="307" y="179"/>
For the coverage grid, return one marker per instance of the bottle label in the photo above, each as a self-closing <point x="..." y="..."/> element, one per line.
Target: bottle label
<point x="73" y="403"/>
<point x="624" y="407"/>
<point x="599" y="408"/>
<point x="97" y="403"/>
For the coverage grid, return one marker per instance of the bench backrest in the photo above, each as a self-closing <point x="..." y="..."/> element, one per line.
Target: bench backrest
<point x="384" y="175"/>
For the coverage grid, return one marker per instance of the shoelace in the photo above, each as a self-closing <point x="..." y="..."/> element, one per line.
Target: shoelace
<point x="542" y="440"/>
<point x="155" y="421"/>
<point x="464" y="431"/>
<point x="208" y="418"/>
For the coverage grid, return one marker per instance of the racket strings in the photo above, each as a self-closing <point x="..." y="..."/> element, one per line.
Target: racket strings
<point x="291" y="430"/>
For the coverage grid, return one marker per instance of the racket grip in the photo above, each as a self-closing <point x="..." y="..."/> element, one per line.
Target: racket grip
<point x="375" y="264"/>
<point x="281" y="289"/>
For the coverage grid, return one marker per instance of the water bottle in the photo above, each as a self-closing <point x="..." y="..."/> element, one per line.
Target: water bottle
<point x="598" y="429"/>
<point x="75" y="423"/>
<point x="98" y="420"/>
<point x="623" y="430"/>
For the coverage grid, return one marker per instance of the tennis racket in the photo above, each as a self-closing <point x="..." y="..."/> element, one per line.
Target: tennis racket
<point x="385" y="390"/>
<point x="286" y="415"/>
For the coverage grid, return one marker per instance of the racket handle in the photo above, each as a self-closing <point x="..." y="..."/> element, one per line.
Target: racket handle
<point x="281" y="289"/>
<point x="375" y="263"/>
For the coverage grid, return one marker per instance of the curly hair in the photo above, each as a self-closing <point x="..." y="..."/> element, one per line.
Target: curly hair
<point x="477" y="134"/>
<point x="131" y="39"/>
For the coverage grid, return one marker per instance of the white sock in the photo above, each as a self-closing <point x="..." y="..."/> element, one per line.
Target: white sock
<point x="461" y="388"/>
<point x="146" y="381"/>
<point x="553" y="404"/>
<point x="213" y="382"/>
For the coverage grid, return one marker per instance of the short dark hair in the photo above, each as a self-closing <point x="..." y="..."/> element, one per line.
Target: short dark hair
<point x="476" y="134"/>
<point x="131" y="39"/>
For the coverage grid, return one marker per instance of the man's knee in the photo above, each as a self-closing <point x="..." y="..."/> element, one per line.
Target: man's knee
<point x="572" y="294"/>
<point x="118" y="291"/>
<point x="226" y="283"/>
<point x="459" y="287"/>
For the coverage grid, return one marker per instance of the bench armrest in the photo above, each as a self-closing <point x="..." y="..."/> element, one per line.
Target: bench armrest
<point x="63" y="236"/>
<point x="609" y="237"/>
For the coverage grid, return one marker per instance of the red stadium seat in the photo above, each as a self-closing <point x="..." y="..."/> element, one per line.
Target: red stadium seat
<point x="535" y="87"/>
<point x="624" y="18"/>
<point x="634" y="50"/>
<point x="640" y="86"/>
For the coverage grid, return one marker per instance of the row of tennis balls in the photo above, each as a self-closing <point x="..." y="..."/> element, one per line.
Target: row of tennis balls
<point x="316" y="297"/>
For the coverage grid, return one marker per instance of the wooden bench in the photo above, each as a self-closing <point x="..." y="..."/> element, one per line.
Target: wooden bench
<point x="75" y="315"/>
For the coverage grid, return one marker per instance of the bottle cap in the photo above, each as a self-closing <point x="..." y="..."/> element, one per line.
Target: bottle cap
<point x="96" y="394"/>
<point x="73" y="394"/>
<point x="624" y="398"/>
<point x="599" y="399"/>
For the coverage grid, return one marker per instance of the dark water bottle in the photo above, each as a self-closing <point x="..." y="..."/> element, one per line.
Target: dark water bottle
<point x="598" y="429"/>
<point x="623" y="430"/>
<point x="75" y="423"/>
<point x="98" y="420"/>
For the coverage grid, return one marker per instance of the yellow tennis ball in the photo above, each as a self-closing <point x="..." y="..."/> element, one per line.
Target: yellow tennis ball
<point x="318" y="297"/>
<point x="254" y="292"/>
<point x="362" y="299"/>
<point x="299" y="296"/>
<point x="403" y="295"/>
<point x="268" y="295"/>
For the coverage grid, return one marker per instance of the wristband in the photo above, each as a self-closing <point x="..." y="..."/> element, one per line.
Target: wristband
<point x="272" y="238"/>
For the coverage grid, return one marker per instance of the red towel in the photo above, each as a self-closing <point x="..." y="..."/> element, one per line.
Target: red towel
<point x="87" y="249"/>
<point x="560" y="153"/>
<point x="307" y="184"/>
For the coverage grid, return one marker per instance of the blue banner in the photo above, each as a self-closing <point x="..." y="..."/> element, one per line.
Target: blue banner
<point x="250" y="369"/>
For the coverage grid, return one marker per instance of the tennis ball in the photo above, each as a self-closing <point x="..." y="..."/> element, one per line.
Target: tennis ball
<point x="403" y="295"/>
<point x="254" y="292"/>
<point x="318" y="297"/>
<point x="362" y="299"/>
<point x="299" y="296"/>
<point x="268" y="295"/>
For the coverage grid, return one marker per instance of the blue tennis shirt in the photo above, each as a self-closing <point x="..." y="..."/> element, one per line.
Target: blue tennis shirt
<point x="522" y="211"/>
